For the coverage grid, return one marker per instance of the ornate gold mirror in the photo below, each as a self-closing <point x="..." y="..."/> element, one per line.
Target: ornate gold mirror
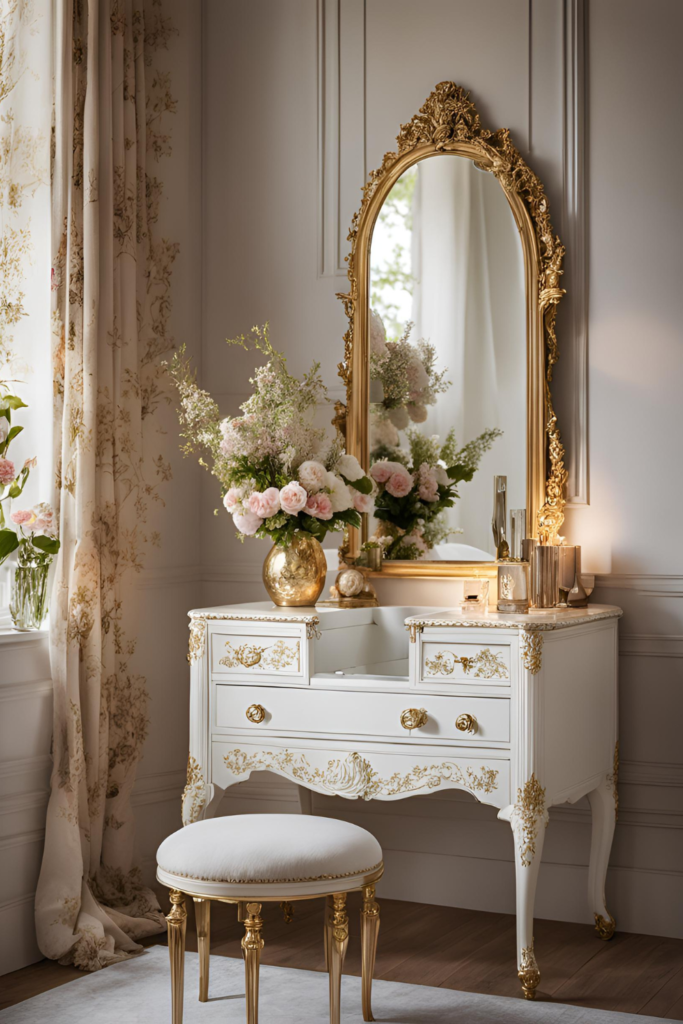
<point x="454" y="278"/>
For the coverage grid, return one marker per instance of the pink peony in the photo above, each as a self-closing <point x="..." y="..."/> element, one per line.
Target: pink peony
<point x="312" y="475"/>
<point x="22" y="516"/>
<point x="293" y="498"/>
<point x="246" y="522"/>
<point x="7" y="472"/>
<point x="43" y="519"/>
<point x="399" y="483"/>
<point x="264" y="504"/>
<point x="363" y="502"/>
<point x="232" y="498"/>
<point x="319" y="505"/>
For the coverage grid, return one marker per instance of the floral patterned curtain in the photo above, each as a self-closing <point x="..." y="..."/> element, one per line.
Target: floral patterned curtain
<point x="111" y="278"/>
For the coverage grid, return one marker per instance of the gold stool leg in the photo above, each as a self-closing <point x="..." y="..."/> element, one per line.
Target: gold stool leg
<point x="252" y="944"/>
<point x="337" y="941"/>
<point x="176" y="922"/>
<point x="202" y="916"/>
<point x="369" y="930"/>
<point x="241" y="912"/>
<point x="327" y="925"/>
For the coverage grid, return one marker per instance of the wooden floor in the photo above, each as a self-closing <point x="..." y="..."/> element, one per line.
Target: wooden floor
<point x="459" y="949"/>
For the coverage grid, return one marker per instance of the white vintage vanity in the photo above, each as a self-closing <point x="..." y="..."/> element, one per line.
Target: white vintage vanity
<point x="388" y="703"/>
<point x="384" y="703"/>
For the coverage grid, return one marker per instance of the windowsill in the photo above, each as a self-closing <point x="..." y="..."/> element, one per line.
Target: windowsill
<point x="10" y="635"/>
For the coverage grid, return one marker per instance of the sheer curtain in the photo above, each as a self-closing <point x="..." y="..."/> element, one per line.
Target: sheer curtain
<point x="111" y="279"/>
<point x="468" y="299"/>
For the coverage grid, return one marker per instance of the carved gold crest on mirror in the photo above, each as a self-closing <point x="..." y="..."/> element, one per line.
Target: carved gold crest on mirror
<point x="454" y="278"/>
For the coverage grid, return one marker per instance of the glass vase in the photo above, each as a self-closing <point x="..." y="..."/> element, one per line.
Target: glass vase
<point x="28" y="599"/>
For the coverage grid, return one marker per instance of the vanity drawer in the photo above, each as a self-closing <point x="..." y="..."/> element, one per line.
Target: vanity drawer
<point x="455" y="662"/>
<point x="252" y="654"/>
<point x="343" y="712"/>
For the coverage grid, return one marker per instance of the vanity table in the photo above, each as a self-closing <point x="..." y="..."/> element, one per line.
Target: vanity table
<point x="386" y="703"/>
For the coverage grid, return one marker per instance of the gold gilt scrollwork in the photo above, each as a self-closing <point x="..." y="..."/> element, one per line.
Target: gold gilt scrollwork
<point x="276" y="658"/>
<point x="355" y="778"/>
<point x="528" y="972"/>
<point x="488" y="665"/>
<point x="604" y="927"/>
<point x="532" y="649"/>
<point x="197" y="642"/>
<point x="448" y="121"/>
<point x="194" y="794"/>
<point x="527" y="813"/>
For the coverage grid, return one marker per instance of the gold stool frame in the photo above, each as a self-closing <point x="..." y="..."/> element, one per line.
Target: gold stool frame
<point x="336" y="936"/>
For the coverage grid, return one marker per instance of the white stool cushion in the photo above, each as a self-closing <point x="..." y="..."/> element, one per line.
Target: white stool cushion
<point x="268" y="855"/>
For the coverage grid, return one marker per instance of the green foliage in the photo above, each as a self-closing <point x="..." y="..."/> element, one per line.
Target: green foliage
<point x="9" y="542"/>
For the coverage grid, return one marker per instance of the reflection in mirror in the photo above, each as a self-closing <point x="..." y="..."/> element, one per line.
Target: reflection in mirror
<point x="448" y="369"/>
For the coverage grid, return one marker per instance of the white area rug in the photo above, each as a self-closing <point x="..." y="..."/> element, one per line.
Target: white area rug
<point x="139" y="990"/>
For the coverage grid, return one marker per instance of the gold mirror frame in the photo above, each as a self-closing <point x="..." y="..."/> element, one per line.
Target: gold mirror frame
<point x="448" y="123"/>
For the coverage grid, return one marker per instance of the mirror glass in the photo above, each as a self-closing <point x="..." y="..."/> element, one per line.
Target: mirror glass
<point x="448" y="367"/>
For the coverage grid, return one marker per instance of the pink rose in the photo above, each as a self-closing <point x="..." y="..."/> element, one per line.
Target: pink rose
<point x="246" y="522"/>
<point x="265" y="504"/>
<point x="381" y="471"/>
<point x="7" y="472"/>
<point x="319" y="505"/>
<point x="363" y="502"/>
<point x="24" y="515"/>
<point x="232" y="498"/>
<point x="293" y="498"/>
<point x="399" y="483"/>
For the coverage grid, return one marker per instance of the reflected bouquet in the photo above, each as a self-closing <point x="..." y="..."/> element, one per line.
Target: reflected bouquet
<point x="279" y="474"/>
<point x="417" y="486"/>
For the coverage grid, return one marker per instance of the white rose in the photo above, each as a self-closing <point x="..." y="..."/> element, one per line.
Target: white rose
<point x="383" y="432"/>
<point x="4" y="429"/>
<point x="417" y="412"/>
<point x="312" y="475"/>
<point x="340" y="496"/>
<point x="399" y="417"/>
<point x="417" y="375"/>
<point x="350" y="468"/>
<point x="442" y="476"/>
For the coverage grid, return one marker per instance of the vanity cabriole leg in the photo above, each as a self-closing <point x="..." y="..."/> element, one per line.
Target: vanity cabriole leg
<point x="337" y="941"/>
<point x="176" y="921"/>
<point x="528" y="818"/>
<point x="369" y="930"/>
<point x="202" y="914"/>
<point x="603" y="801"/>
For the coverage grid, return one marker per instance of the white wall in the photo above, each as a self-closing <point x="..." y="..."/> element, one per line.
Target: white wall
<point x="281" y="180"/>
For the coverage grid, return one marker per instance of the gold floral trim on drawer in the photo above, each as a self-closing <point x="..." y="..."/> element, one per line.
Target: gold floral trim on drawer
<point x="486" y="663"/>
<point x="355" y="778"/>
<point x="278" y="657"/>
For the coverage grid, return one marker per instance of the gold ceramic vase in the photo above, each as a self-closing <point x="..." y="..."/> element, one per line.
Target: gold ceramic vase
<point x="295" y="576"/>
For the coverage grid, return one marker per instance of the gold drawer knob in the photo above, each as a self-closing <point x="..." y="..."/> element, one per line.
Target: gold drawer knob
<point x="466" y="723"/>
<point x="413" y="718"/>
<point x="256" y="713"/>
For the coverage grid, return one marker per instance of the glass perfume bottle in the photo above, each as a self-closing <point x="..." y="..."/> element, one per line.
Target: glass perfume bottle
<point x="513" y="586"/>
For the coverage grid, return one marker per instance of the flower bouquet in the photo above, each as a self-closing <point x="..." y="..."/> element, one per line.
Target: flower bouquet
<point x="281" y="477"/>
<point x="405" y="380"/>
<point x="34" y="537"/>
<point x="417" y="486"/>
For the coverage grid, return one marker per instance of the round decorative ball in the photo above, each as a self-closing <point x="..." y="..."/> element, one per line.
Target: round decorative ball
<point x="350" y="582"/>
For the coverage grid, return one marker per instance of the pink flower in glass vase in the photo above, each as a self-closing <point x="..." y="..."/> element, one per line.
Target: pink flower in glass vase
<point x="265" y="504"/>
<point x="319" y="505"/>
<point x="246" y="522"/>
<point x="21" y="516"/>
<point x="399" y="483"/>
<point x="293" y="498"/>
<point x="7" y="471"/>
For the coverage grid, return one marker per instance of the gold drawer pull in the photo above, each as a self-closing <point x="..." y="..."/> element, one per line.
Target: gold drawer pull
<point x="256" y="713"/>
<point x="413" y="718"/>
<point x="466" y="723"/>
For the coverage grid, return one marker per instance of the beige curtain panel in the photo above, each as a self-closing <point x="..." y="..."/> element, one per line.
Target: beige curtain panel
<point x="110" y="291"/>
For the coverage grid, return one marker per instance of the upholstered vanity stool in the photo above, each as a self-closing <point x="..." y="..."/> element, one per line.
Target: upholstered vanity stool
<point x="251" y="859"/>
